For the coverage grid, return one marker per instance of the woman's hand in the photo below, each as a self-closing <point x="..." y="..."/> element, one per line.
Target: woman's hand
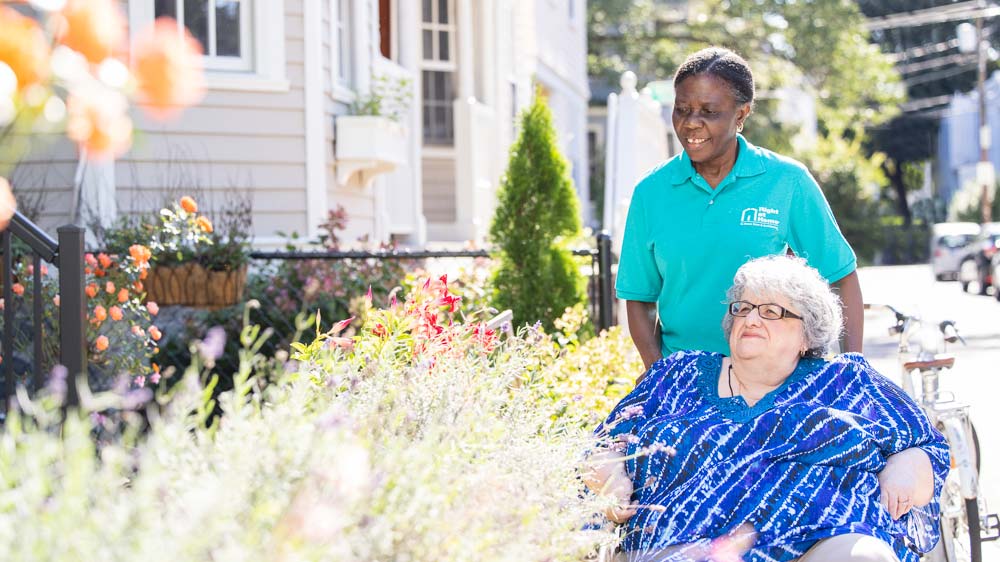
<point x="605" y="475"/>
<point x="906" y="480"/>
<point x="619" y="486"/>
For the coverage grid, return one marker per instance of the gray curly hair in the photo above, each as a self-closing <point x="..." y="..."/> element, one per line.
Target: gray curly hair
<point x="809" y="294"/>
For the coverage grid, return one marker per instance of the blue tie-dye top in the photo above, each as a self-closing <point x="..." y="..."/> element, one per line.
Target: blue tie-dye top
<point x="800" y="465"/>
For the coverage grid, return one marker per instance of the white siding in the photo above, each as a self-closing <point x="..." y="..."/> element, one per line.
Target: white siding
<point x="251" y="142"/>
<point x="439" y="190"/>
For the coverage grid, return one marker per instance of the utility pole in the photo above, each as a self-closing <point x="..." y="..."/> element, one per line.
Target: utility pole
<point x="985" y="173"/>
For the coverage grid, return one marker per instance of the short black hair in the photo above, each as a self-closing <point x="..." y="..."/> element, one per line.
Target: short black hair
<point x="721" y="63"/>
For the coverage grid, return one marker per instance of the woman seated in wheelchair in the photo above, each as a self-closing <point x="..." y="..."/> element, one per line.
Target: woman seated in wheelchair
<point x="772" y="453"/>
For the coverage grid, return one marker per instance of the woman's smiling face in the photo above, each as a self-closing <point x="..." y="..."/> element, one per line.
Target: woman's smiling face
<point x="705" y="118"/>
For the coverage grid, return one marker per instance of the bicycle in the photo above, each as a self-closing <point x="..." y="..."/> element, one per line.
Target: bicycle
<point x="965" y="522"/>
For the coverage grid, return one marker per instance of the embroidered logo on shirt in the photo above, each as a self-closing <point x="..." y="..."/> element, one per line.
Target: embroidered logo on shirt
<point x="764" y="217"/>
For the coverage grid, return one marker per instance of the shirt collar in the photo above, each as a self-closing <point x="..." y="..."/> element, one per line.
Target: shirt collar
<point x="749" y="162"/>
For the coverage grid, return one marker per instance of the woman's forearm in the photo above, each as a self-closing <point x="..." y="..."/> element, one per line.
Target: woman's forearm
<point x="854" y="312"/>
<point x="642" y="328"/>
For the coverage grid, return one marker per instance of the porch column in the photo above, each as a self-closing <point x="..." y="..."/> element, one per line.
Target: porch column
<point x="465" y="139"/>
<point x="408" y="29"/>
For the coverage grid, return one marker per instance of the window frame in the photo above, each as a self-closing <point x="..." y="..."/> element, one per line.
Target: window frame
<point x="436" y="27"/>
<point x="436" y="64"/>
<point x="343" y="86"/>
<point x="242" y="63"/>
<point x="262" y="68"/>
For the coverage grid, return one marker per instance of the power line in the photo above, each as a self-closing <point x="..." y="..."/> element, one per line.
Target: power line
<point x="958" y="11"/>
<point x="924" y="50"/>
<point x="957" y="58"/>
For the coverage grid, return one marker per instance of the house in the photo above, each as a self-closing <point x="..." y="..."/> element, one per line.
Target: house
<point x="958" y="168"/>
<point x="276" y="123"/>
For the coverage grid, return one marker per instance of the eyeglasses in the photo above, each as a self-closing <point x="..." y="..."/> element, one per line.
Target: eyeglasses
<point x="767" y="311"/>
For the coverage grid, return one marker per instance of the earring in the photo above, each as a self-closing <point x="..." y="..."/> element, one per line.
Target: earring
<point x="739" y="127"/>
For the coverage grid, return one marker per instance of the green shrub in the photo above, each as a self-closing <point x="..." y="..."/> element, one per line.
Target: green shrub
<point x="537" y="213"/>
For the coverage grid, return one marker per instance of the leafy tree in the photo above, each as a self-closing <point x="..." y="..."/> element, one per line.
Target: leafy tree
<point x="818" y="45"/>
<point x="537" y="211"/>
<point x="850" y="181"/>
<point x="821" y="44"/>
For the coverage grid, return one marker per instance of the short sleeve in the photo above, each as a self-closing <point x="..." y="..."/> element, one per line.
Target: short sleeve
<point x="638" y="278"/>
<point x="814" y="234"/>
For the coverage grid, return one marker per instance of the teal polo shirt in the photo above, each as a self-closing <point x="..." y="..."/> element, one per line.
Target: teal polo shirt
<point x="684" y="240"/>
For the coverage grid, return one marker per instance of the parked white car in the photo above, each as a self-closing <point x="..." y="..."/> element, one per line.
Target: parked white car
<point x="949" y="244"/>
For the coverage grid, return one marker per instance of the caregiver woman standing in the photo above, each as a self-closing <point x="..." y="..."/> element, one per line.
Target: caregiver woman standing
<point x="696" y="219"/>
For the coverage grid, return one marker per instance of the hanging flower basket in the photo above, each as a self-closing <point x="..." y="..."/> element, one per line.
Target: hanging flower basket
<point x="193" y="285"/>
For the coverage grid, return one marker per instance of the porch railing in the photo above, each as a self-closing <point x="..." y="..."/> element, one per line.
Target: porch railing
<point x="66" y="254"/>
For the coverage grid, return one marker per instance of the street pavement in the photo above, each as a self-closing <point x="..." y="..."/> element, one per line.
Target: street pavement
<point x="975" y="378"/>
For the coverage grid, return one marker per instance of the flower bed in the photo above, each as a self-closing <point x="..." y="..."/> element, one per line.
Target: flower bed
<point x="417" y="438"/>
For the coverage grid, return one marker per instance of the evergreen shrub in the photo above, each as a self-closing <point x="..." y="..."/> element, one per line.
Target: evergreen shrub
<point x="537" y="213"/>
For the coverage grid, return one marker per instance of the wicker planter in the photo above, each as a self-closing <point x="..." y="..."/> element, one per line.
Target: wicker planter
<point x="192" y="285"/>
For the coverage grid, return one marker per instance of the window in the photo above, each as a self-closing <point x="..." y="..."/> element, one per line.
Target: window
<point x="223" y="27"/>
<point x="438" y="71"/>
<point x="244" y="49"/>
<point x="340" y="19"/>
<point x="439" y="95"/>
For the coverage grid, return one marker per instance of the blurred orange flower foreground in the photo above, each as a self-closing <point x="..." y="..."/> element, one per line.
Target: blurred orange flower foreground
<point x="167" y="66"/>
<point x="94" y="28"/>
<point x="23" y="48"/>
<point x="98" y="121"/>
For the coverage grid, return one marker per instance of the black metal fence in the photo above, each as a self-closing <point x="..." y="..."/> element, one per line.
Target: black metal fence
<point x="66" y="255"/>
<point x="28" y="363"/>
<point x="599" y="285"/>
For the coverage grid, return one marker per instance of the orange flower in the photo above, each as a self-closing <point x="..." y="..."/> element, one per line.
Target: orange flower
<point x="110" y="288"/>
<point x="90" y="259"/>
<point x="93" y="28"/>
<point x="101" y="343"/>
<point x="153" y="308"/>
<point x="23" y="48"/>
<point x="123" y="296"/>
<point x="97" y="121"/>
<point x="104" y="260"/>
<point x="204" y="224"/>
<point x="138" y="286"/>
<point x="116" y="313"/>
<point x="91" y="290"/>
<point x="155" y="333"/>
<point x="167" y="65"/>
<point x="143" y="274"/>
<point x="7" y="203"/>
<point x="140" y="254"/>
<point x="56" y="300"/>
<point x="188" y="204"/>
<point x="138" y="331"/>
<point x="18" y="289"/>
<point x="156" y="368"/>
<point x="100" y="314"/>
<point x="99" y="272"/>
